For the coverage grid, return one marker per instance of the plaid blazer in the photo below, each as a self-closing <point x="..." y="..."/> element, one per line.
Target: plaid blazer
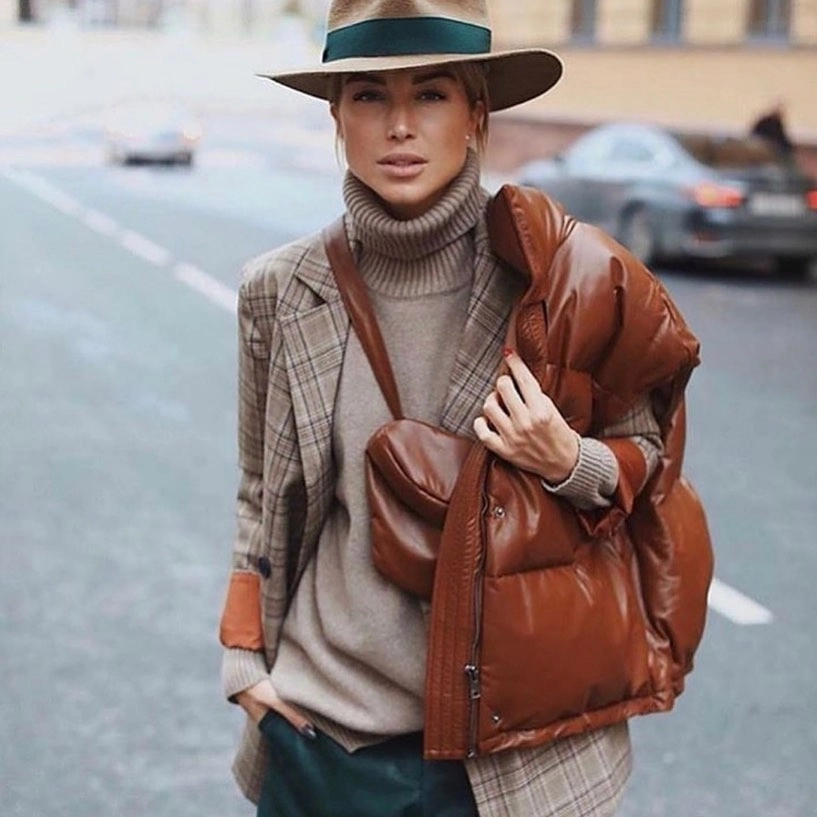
<point x="293" y="330"/>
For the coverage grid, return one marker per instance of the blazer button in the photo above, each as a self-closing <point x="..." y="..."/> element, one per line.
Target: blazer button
<point x="264" y="567"/>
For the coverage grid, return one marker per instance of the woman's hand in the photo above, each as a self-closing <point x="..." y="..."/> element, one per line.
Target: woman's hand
<point x="521" y="424"/>
<point x="257" y="700"/>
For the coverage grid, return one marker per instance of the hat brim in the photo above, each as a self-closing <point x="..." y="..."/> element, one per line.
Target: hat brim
<point x="513" y="76"/>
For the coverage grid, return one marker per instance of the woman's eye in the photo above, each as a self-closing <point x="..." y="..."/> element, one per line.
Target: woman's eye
<point x="431" y="95"/>
<point x="367" y="96"/>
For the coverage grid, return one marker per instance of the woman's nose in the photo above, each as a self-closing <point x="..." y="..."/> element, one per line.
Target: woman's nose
<point x="400" y="124"/>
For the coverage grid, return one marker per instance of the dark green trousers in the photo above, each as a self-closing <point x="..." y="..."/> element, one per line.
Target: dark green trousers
<point x="319" y="778"/>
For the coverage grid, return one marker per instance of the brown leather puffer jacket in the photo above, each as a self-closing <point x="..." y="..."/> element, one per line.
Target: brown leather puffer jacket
<point x="549" y="626"/>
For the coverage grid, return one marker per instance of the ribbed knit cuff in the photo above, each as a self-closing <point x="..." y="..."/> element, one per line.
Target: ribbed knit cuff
<point x="241" y="669"/>
<point x="592" y="480"/>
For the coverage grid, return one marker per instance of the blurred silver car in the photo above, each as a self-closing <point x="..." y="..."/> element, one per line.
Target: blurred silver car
<point x="152" y="132"/>
<point x="667" y="194"/>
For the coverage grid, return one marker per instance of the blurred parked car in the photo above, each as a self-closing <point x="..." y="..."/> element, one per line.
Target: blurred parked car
<point x="152" y="132"/>
<point x="667" y="194"/>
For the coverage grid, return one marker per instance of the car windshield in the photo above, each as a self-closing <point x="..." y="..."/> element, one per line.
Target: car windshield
<point x="729" y="151"/>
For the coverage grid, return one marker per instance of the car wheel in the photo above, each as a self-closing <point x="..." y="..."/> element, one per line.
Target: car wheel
<point x="637" y="234"/>
<point x="797" y="267"/>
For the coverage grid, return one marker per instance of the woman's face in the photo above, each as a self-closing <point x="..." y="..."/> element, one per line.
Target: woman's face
<point x="406" y="134"/>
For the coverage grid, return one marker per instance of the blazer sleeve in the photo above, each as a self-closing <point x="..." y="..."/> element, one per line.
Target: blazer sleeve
<point x="241" y="630"/>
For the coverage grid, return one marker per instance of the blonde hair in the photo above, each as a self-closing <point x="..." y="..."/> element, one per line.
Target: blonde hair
<point x="474" y="79"/>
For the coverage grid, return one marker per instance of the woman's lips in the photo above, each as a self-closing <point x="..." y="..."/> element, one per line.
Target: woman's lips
<point x="402" y="165"/>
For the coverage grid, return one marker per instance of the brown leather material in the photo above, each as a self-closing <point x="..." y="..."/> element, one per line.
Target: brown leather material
<point x="632" y="468"/>
<point x="547" y="621"/>
<point x="241" y="618"/>
<point x="411" y="470"/>
<point x="632" y="471"/>
<point x="358" y="306"/>
<point x="453" y="638"/>
<point x="561" y="649"/>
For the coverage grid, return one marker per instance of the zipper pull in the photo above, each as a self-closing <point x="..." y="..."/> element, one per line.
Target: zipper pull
<point x="472" y="671"/>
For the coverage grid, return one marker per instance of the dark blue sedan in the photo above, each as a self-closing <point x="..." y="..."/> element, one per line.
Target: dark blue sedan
<point x="666" y="194"/>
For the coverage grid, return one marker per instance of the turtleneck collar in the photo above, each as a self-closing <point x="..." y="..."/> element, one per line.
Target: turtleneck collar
<point x="450" y="218"/>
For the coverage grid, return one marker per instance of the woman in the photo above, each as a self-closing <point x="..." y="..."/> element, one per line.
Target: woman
<point x="333" y="669"/>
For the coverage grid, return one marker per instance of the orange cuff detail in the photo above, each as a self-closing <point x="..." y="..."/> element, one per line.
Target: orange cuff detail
<point x="632" y="470"/>
<point x="241" y="619"/>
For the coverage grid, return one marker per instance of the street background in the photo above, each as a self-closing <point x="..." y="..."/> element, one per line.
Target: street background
<point x="118" y="469"/>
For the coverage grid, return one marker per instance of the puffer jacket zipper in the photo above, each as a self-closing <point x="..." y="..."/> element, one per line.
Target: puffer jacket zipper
<point x="472" y="668"/>
<point x="452" y="672"/>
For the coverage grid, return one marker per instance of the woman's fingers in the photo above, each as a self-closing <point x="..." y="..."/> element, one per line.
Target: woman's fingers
<point x="523" y="376"/>
<point x="490" y="439"/>
<point x="510" y="394"/>
<point x="521" y="424"/>
<point x="261" y="697"/>
<point x="296" y="719"/>
<point x="495" y="414"/>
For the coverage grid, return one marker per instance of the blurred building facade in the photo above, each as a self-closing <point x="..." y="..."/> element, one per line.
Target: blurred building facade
<point x="714" y="64"/>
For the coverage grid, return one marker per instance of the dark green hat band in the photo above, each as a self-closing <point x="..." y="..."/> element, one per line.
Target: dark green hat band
<point x="397" y="37"/>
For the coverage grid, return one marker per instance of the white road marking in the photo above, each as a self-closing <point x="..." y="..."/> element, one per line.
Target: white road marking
<point x="727" y="601"/>
<point x="134" y="242"/>
<point x="207" y="286"/>
<point x="46" y="192"/>
<point x="735" y="606"/>
<point x="100" y="222"/>
<point x="144" y="248"/>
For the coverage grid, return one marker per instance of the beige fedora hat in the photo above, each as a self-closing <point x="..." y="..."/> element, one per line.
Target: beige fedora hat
<point x="384" y="35"/>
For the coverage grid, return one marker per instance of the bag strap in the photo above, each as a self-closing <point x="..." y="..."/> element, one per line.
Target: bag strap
<point x="359" y="306"/>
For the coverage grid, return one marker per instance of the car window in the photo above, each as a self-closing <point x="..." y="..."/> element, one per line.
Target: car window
<point x="627" y="149"/>
<point x="590" y="149"/>
<point x="730" y="151"/>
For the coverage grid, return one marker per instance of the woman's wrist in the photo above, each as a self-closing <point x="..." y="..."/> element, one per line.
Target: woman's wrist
<point x="251" y="706"/>
<point x="593" y="479"/>
<point x="568" y="459"/>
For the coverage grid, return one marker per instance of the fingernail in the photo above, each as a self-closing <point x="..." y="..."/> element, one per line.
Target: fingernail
<point x="507" y="351"/>
<point x="308" y="731"/>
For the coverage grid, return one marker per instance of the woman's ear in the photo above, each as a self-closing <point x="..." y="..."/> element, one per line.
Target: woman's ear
<point x="479" y="119"/>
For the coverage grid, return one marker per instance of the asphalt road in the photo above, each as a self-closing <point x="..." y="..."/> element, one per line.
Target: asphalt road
<point x="117" y="369"/>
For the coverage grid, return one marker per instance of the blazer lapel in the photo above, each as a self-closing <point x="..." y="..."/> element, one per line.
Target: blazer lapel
<point x="314" y="335"/>
<point x="493" y="295"/>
